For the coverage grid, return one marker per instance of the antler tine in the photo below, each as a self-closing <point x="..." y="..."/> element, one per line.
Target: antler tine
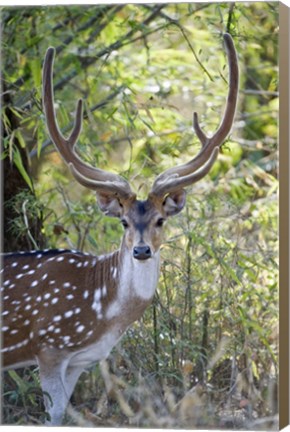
<point x="174" y="182"/>
<point x="164" y="182"/>
<point x="95" y="178"/>
<point x="227" y="120"/>
<point x="65" y="146"/>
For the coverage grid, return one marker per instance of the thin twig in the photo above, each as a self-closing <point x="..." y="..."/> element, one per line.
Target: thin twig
<point x="21" y="80"/>
<point x="231" y="13"/>
<point x="183" y="31"/>
<point x="27" y="224"/>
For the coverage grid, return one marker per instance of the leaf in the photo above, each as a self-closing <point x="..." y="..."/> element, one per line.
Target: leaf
<point x="40" y="139"/>
<point x="19" y="164"/>
<point x="20" y="138"/>
<point x="11" y="141"/>
<point x="35" y="67"/>
<point x="93" y="242"/>
<point x="15" y="112"/>
<point x="255" y="370"/>
<point x="231" y="272"/>
<point x="21" y="384"/>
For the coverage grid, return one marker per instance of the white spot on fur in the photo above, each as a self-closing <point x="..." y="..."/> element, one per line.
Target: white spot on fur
<point x="42" y="332"/>
<point x="97" y="295"/>
<point x="31" y="272"/>
<point x="80" y="328"/>
<point x="114" y="272"/>
<point x="18" y="345"/>
<point x="97" y="305"/>
<point x="68" y="314"/>
<point x="66" y="339"/>
<point x="104" y="291"/>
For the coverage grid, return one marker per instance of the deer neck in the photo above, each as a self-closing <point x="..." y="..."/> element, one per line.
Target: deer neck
<point x="130" y="284"/>
<point x="138" y="278"/>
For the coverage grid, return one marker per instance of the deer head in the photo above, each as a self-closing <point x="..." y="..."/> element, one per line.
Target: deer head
<point x="142" y="220"/>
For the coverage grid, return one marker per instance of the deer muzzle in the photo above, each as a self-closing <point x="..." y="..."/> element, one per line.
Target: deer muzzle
<point x="142" y="252"/>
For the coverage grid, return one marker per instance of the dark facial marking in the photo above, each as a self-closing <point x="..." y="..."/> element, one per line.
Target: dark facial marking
<point x="143" y="216"/>
<point x="142" y="207"/>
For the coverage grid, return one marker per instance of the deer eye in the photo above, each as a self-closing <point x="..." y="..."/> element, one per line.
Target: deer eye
<point x="124" y="223"/>
<point x="160" y="222"/>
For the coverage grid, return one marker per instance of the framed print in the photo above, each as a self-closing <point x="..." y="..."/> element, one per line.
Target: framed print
<point x="145" y="215"/>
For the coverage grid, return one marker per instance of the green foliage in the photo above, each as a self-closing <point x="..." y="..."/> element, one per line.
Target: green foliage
<point x="23" y="398"/>
<point x="26" y="209"/>
<point x="142" y="70"/>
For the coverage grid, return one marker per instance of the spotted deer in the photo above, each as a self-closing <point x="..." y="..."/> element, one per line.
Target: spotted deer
<point x="64" y="310"/>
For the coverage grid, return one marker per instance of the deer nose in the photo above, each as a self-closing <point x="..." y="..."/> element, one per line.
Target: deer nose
<point x="142" y="252"/>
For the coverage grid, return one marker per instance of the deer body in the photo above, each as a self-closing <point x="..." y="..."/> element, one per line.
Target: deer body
<point x="76" y="320"/>
<point x="65" y="310"/>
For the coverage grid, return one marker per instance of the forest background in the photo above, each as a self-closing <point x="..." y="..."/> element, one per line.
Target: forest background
<point x="205" y="353"/>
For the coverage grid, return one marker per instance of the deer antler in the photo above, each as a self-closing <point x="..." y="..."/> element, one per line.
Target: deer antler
<point x="93" y="178"/>
<point x="181" y="176"/>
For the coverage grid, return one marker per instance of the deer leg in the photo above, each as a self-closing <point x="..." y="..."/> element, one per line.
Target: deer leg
<point x="71" y="378"/>
<point x="52" y="373"/>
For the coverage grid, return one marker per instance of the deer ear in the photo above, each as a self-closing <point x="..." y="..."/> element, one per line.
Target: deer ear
<point x="109" y="204"/>
<point x="174" y="202"/>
